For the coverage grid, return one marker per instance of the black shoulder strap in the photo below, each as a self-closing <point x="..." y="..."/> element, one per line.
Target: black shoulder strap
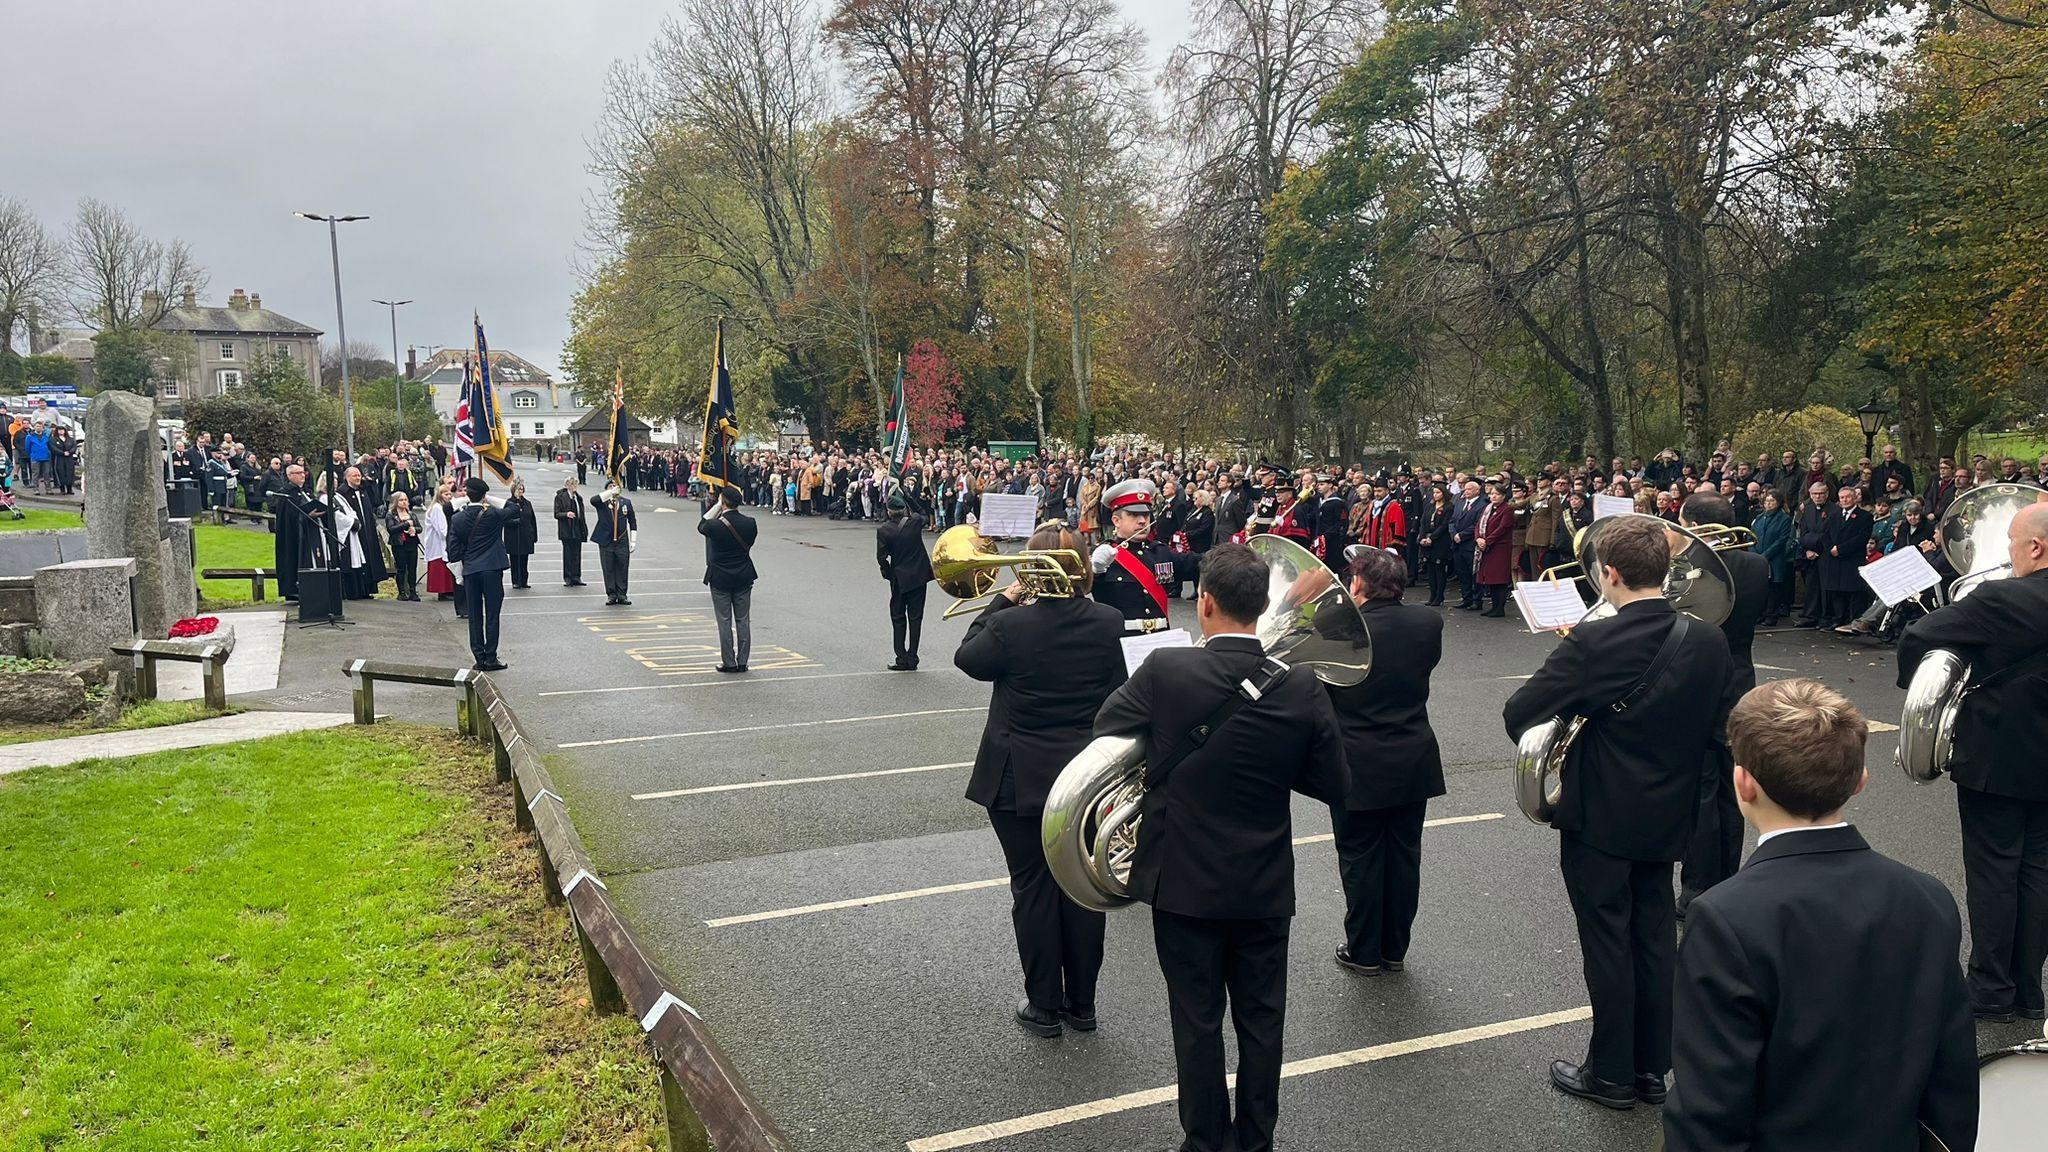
<point x="1679" y="626"/>
<point x="1262" y="680"/>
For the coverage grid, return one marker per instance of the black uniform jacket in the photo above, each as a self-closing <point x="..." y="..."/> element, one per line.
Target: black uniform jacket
<point x="1218" y="838"/>
<point x="728" y="550"/>
<point x="899" y="549"/>
<point x="2002" y="728"/>
<point x="1384" y="719"/>
<point x="572" y="529"/>
<point x="1631" y="778"/>
<point x="1752" y="574"/>
<point x="1053" y="662"/>
<point x="1819" y="1007"/>
<point x="1121" y="590"/>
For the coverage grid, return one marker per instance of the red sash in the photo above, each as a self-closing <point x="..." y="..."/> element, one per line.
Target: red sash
<point x="1143" y="574"/>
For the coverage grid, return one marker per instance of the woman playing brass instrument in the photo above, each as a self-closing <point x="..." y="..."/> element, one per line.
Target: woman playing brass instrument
<point x="1053" y="661"/>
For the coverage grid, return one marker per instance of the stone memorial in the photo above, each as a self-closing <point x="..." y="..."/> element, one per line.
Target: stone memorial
<point x="85" y="607"/>
<point x="125" y="513"/>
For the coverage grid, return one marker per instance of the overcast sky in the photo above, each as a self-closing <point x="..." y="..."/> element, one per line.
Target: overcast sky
<point x="457" y="126"/>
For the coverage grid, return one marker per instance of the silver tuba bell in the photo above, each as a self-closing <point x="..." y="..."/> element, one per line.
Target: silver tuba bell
<point x="1973" y="533"/>
<point x="1698" y="586"/>
<point x="1092" y="814"/>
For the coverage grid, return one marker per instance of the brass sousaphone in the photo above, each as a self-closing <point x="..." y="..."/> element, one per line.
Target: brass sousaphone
<point x="1698" y="585"/>
<point x="1092" y="815"/>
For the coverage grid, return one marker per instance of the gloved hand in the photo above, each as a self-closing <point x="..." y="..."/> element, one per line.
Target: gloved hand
<point x="1102" y="556"/>
<point x="632" y="541"/>
<point x="611" y="492"/>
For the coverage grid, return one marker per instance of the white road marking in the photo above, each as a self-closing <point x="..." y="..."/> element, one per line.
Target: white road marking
<point x="710" y="788"/>
<point x="591" y="595"/>
<point x="1110" y="1106"/>
<point x="722" y="680"/>
<point x="943" y="889"/>
<point x="769" y="727"/>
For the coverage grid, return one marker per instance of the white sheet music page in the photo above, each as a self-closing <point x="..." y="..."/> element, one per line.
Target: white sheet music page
<point x="1899" y="576"/>
<point x="1612" y="506"/>
<point x="1136" y="648"/>
<point x="1548" y="605"/>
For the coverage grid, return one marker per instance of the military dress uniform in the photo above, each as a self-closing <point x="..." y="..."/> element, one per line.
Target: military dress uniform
<point x="1118" y="565"/>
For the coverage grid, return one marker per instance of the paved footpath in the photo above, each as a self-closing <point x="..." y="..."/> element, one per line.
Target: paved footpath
<point x="794" y="847"/>
<point x="170" y="738"/>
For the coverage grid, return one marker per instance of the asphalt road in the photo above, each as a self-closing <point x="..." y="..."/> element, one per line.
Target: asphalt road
<point x="848" y="939"/>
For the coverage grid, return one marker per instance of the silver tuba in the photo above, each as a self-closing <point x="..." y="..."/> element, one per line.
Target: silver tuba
<point x="1973" y="533"/>
<point x="1092" y="813"/>
<point x="1698" y="585"/>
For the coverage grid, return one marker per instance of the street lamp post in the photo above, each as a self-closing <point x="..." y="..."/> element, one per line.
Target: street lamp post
<point x="348" y="410"/>
<point x="398" y="390"/>
<point x="1871" y="418"/>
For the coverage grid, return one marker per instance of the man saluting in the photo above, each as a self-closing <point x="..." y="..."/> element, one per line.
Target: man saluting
<point x="1133" y="570"/>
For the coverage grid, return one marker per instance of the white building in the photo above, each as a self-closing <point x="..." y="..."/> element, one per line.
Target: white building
<point x="534" y="405"/>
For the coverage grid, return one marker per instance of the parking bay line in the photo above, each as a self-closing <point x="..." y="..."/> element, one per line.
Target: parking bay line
<point x="711" y="788"/>
<point x="769" y="727"/>
<point x="1109" y="1106"/>
<point x="971" y="885"/>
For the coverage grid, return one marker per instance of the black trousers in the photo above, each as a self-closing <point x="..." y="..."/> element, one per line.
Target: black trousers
<point x="906" y="619"/>
<point x="1715" y="851"/>
<point x="1379" y="855"/>
<point x="1461" y="565"/>
<point x="572" y="562"/>
<point x="1202" y="961"/>
<point x="519" y="562"/>
<point x="1628" y="935"/>
<point x="406" y="557"/>
<point x="1810" y="609"/>
<point x="613" y="560"/>
<point x="2005" y="883"/>
<point x="582" y="471"/>
<point x="486" y="592"/>
<point x="1439" y="575"/>
<point x="1058" y="941"/>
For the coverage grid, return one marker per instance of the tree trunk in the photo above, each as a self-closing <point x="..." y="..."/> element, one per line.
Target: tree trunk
<point x="1917" y="437"/>
<point x="1031" y="350"/>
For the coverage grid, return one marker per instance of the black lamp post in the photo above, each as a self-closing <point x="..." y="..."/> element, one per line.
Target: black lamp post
<point x="1871" y="417"/>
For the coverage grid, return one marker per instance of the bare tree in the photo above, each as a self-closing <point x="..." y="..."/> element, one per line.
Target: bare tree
<point x="31" y="261"/>
<point x="121" y="278"/>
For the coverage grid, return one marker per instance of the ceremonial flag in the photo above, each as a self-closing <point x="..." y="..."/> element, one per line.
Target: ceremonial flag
<point x="465" y="447"/>
<point x="486" y="423"/>
<point x="899" y="427"/>
<point x="615" y="449"/>
<point x="714" y="460"/>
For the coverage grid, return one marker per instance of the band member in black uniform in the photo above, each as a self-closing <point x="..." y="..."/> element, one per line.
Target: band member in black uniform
<point x="1395" y="766"/>
<point x="1265" y="483"/>
<point x="1216" y="860"/>
<point x="1716" y="848"/>
<point x="1053" y="661"/>
<point x="1772" y="1041"/>
<point x="899" y="549"/>
<point x="1132" y="570"/>
<point x="2000" y="774"/>
<point x="1651" y="685"/>
<point x="1331" y="519"/>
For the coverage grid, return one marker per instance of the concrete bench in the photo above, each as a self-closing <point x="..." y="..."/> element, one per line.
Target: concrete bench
<point x="364" y="675"/>
<point x="222" y="514"/>
<point x="258" y="578"/>
<point x="212" y="659"/>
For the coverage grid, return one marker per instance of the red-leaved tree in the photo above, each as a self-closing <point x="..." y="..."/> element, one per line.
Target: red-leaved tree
<point x="931" y="390"/>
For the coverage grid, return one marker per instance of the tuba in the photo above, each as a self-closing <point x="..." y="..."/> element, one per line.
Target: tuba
<point x="1697" y="585"/>
<point x="965" y="563"/>
<point x="1973" y="530"/>
<point x="1092" y="814"/>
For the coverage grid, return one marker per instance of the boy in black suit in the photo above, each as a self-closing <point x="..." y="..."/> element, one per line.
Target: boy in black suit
<point x="899" y="550"/>
<point x="1819" y="1003"/>
<point x="1216" y="856"/>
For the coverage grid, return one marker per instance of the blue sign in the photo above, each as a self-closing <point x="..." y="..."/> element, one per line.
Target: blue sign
<point x="53" y="389"/>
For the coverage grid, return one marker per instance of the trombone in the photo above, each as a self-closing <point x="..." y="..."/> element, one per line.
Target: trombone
<point x="1716" y="537"/>
<point x="966" y="564"/>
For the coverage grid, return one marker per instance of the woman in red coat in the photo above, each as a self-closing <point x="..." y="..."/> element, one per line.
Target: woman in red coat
<point x="1495" y="563"/>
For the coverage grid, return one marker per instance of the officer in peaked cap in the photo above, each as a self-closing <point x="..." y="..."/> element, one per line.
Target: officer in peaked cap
<point x="1267" y="478"/>
<point x="1133" y="571"/>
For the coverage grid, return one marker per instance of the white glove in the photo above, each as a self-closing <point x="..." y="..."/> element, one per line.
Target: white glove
<point x="611" y="493"/>
<point x="632" y="541"/>
<point x="1102" y="556"/>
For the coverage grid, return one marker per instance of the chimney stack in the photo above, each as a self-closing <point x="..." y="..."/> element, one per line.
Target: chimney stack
<point x="239" y="300"/>
<point x="256" y="301"/>
<point x="152" y="301"/>
<point x="412" y="362"/>
<point x="191" y="296"/>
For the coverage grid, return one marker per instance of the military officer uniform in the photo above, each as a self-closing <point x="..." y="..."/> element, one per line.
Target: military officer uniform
<point x="1132" y="575"/>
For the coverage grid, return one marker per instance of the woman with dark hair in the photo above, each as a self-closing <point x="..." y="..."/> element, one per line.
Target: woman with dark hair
<point x="522" y="531"/>
<point x="1053" y="661"/>
<point x="1432" y="535"/>
<point x="1494" y="564"/>
<point x="1776" y="541"/>
<point x="1395" y="767"/>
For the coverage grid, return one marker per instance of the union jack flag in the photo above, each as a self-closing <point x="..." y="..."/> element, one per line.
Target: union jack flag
<point x="465" y="443"/>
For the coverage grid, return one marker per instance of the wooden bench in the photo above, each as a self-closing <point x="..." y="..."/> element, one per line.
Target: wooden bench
<point x="222" y="514"/>
<point x="258" y="578"/>
<point x="365" y="674"/>
<point x="212" y="659"/>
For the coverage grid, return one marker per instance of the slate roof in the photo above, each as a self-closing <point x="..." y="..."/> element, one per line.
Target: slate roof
<point x="251" y="321"/>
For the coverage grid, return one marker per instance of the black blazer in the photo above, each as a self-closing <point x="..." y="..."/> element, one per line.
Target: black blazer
<point x="1218" y="838"/>
<point x="1053" y="662"/>
<point x="1384" y="719"/>
<point x="1631" y="779"/>
<point x="899" y="549"/>
<point x="476" y="537"/>
<point x="1819" y="1007"/>
<point x="575" y="529"/>
<point x="729" y="551"/>
<point x="2002" y="728"/>
<point x="1752" y="574"/>
<point x="522" y="528"/>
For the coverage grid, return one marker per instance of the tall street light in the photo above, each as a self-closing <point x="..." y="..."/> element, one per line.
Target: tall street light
<point x="340" y="321"/>
<point x="399" y="389"/>
<point x="1871" y="418"/>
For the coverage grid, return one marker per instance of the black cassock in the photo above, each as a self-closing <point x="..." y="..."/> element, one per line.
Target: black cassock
<point x="289" y="526"/>
<point x="301" y="536"/>
<point x="363" y="581"/>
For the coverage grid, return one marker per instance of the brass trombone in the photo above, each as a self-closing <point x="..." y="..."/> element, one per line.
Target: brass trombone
<point x="1717" y="537"/>
<point x="966" y="564"/>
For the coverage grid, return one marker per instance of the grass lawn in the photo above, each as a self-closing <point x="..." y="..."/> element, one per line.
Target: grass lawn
<point x="330" y="940"/>
<point x="41" y="518"/>
<point x="226" y="546"/>
<point x="147" y="714"/>
<point x="2026" y="447"/>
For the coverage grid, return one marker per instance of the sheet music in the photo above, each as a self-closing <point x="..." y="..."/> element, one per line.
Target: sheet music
<point x="1548" y="605"/>
<point x="1899" y="576"/>
<point x="1136" y="648"/>
<point x="1612" y="506"/>
<point x="1004" y="516"/>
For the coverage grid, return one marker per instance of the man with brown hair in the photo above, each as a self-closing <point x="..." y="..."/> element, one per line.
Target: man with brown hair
<point x="1651" y="686"/>
<point x="1818" y="954"/>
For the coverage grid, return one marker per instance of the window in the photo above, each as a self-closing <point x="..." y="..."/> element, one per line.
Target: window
<point x="525" y="400"/>
<point x="227" y="349"/>
<point x="515" y="427"/>
<point x="281" y="351"/>
<point x="539" y="428"/>
<point x="170" y="390"/>
<point x="228" y="379"/>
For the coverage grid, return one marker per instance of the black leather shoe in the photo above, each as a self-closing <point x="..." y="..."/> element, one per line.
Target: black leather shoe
<point x="1344" y="960"/>
<point x="726" y="668"/>
<point x="625" y="603"/>
<point x="1649" y="1088"/>
<point x="899" y="666"/>
<point x="1573" y="1080"/>
<point x="1037" y="1021"/>
<point x="1496" y="613"/>
<point x="1080" y="1019"/>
